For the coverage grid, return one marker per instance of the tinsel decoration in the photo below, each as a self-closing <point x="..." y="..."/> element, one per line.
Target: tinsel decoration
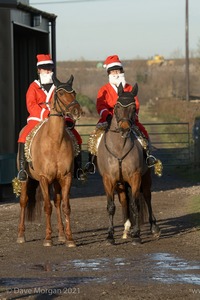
<point x="158" y="168"/>
<point x="95" y="138"/>
<point x="29" y="139"/>
<point x="16" y="184"/>
<point x="74" y="141"/>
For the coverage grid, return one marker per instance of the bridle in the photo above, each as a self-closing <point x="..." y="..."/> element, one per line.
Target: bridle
<point x="61" y="108"/>
<point x="125" y="133"/>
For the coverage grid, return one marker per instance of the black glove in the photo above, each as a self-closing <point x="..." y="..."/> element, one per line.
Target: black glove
<point x="109" y="119"/>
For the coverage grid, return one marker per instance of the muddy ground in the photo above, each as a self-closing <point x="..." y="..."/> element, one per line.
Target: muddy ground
<point x="168" y="268"/>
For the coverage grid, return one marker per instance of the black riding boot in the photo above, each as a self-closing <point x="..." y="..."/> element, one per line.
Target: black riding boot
<point x="78" y="172"/>
<point x="22" y="175"/>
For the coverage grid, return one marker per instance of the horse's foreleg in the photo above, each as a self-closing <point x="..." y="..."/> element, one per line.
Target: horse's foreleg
<point x="57" y="203"/>
<point x="146" y="190"/>
<point x="23" y="203"/>
<point x="65" y="187"/>
<point x="47" y="208"/>
<point x="134" y="207"/>
<point x="124" y="203"/>
<point x="110" y="208"/>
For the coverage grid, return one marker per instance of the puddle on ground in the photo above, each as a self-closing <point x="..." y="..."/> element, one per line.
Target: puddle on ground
<point x="156" y="267"/>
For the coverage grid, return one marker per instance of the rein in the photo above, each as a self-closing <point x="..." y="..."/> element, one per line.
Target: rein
<point x="118" y="158"/>
<point x="124" y="134"/>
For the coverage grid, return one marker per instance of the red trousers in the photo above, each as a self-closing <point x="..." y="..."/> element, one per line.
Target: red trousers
<point x="26" y="130"/>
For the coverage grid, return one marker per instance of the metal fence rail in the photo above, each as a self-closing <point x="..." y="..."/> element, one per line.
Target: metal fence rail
<point x="171" y="141"/>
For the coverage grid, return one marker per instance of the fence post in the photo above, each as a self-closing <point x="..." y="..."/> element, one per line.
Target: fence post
<point x="196" y="137"/>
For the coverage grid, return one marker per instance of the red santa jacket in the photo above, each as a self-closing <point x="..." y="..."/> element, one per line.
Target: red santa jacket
<point x="107" y="98"/>
<point x="37" y="101"/>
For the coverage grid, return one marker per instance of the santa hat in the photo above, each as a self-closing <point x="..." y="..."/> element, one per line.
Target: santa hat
<point x="112" y="63"/>
<point x="44" y="61"/>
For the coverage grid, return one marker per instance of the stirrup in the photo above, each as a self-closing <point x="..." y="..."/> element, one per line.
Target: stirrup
<point x="22" y="175"/>
<point x="151" y="161"/>
<point x="80" y="174"/>
<point x="90" y="168"/>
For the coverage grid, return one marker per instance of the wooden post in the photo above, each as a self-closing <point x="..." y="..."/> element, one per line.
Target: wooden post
<point x="187" y="52"/>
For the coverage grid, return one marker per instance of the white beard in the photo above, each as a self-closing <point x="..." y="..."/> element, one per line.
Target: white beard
<point x="46" y="78"/>
<point x="117" y="79"/>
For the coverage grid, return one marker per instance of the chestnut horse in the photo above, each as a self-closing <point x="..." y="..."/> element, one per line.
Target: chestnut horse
<point x="52" y="156"/>
<point x="121" y="163"/>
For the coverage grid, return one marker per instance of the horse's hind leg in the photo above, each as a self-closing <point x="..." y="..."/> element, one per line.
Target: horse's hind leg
<point x="47" y="208"/>
<point x="65" y="187"/>
<point x="110" y="208"/>
<point x="57" y="203"/>
<point x="23" y="203"/>
<point x="146" y="190"/>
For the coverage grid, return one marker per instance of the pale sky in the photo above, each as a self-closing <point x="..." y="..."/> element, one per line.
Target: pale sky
<point x="94" y="29"/>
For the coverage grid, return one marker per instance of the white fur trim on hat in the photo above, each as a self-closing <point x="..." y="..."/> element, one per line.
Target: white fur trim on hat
<point x="112" y="65"/>
<point x="45" y="62"/>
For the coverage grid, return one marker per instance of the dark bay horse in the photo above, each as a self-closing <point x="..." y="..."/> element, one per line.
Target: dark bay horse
<point x="51" y="157"/>
<point x="122" y="165"/>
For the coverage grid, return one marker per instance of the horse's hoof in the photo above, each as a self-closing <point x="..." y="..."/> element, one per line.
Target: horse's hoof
<point x="70" y="244"/>
<point x="61" y="239"/>
<point x="110" y="242"/>
<point x="21" y="240"/>
<point x="156" y="232"/>
<point x="136" y="241"/>
<point x="47" y="243"/>
<point x="156" y="235"/>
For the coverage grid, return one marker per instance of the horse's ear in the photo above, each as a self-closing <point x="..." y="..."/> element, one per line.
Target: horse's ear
<point x="70" y="81"/>
<point x="120" y="89"/>
<point x="56" y="82"/>
<point x="134" y="90"/>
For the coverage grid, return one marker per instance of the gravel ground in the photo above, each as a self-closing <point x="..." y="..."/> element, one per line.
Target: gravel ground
<point x="167" y="268"/>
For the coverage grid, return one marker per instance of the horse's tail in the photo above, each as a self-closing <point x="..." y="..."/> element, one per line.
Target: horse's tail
<point x="34" y="207"/>
<point x="143" y="210"/>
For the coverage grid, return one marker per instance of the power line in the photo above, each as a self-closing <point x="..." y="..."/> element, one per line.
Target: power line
<point x="64" y="2"/>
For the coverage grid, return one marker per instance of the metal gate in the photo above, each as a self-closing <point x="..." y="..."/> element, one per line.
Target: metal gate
<point x="171" y="142"/>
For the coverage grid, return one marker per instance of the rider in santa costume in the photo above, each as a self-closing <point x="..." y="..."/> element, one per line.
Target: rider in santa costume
<point x="38" y="97"/>
<point x="107" y="98"/>
<point x="108" y="94"/>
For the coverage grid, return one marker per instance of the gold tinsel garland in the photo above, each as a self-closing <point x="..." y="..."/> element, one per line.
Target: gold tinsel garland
<point x="29" y="139"/>
<point x="95" y="138"/>
<point x="158" y="168"/>
<point x="16" y="185"/>
<point x="74" y="141"/>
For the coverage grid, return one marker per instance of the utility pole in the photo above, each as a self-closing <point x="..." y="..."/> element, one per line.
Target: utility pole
<point x="187" y="52"/>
